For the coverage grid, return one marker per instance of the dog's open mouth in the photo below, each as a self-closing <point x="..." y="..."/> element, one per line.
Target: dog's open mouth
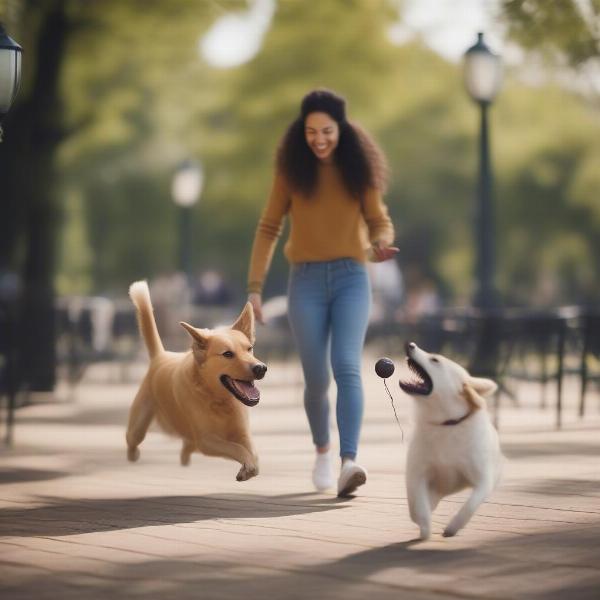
<point x="420" y="383"/>
<point x="244" y="391"/>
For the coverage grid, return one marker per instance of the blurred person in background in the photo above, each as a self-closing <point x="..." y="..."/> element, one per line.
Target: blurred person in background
<point x="387" y="284"/>
<point x="329" y="178"/>
<point x="171" y="298"/>
<point x="422" y="296"/>
<point x="211" y="289"/>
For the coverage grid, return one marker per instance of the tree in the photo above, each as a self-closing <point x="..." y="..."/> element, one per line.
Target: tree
<point x="130" y="98"/>
<point x="146" y="106"/>
<point x="566" y="31"/>
<point x="133" y="120"/>
<point x="30" y="213"/>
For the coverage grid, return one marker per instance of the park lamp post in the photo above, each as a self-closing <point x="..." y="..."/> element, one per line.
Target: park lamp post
<point x="186" y="189"/>
<point x="10" y="73"/>
<point x="483" y="78"/>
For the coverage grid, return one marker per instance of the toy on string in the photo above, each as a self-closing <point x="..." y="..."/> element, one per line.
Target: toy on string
<point x="384" y="367"/>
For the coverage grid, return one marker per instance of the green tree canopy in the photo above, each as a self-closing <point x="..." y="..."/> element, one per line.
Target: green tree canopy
<point x="138" y="99"/>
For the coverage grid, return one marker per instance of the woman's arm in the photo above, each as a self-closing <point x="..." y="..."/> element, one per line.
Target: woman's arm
<point x="267" y="233"/>
<point x="381" y="228"/>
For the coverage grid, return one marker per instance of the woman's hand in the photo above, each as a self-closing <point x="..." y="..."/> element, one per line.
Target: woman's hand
<point x="256" y="300"/>
<point x="379" y="253"/>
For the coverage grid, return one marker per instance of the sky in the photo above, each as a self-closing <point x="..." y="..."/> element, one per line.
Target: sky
<point x="236" y="37"/>
<point x="448" y="27"/>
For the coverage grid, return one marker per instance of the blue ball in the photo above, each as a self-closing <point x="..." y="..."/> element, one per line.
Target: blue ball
<point x="384" y="367"/>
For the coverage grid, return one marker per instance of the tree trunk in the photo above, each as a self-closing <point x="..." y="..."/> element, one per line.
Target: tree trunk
<point x="30" y="210"/>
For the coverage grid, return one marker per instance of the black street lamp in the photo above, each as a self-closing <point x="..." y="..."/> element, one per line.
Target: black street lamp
<point x="186" y="189"/>
<point x="10" y="73"/>
<point x="483" y="78"/>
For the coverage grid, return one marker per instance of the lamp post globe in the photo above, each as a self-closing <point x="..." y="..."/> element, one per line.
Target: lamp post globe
<point x="10" y="72"/>
<point x="187" y="183"/>
<point x="186" y="188"/>
<point x="483" y="79"/>
<point x="482" y="72"/>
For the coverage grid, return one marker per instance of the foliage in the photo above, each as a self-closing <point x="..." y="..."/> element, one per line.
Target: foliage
<point x="565" y="30"/>
<point x="139" y="99"/>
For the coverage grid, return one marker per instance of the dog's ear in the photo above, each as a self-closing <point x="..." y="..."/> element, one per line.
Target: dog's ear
<point x="484" y="387"/>
<point x="198" y="335"/>
<point x="200" y="341"/>
<point x="474" y="400"/>
<point x="245" y="322"/>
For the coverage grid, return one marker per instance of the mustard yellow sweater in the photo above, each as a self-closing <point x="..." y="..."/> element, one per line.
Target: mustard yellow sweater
<point x="330" y="224"/>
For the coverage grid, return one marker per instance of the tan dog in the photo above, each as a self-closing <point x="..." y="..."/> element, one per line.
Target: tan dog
<point x="200" y="395"/>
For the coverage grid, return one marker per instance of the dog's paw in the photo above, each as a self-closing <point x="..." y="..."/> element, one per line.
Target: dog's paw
<point x="133" y="454"/>
<point x="247" y="472"/>
<point x="184" y="459"/>
<point x="424" y="533"/>
<point x="450" y="531"/>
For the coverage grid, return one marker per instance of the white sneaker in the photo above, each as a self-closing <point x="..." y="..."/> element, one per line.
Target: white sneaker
<point x="322" y="474"/>
<point x="351" y="477"/>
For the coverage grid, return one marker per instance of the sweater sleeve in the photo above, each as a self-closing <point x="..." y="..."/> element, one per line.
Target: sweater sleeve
<point x="267" y="233"/>
<point x="377" y="218"/>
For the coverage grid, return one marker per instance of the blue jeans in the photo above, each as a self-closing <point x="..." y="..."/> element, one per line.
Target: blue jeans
<point x="328" y="308"/>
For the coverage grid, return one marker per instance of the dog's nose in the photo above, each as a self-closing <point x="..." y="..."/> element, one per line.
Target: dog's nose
<point x="259" y="370"/>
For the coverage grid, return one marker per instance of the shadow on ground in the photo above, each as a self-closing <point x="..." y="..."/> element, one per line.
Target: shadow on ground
<point x="82" y="416"/>
<point x="60" y="517"/>
<point x="400" y="570"/>
<point x="561" y="487"/>
<point x="530" y="449"/>
<point x="18" y="475"/>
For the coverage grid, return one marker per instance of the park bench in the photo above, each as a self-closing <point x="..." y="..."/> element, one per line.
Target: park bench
<point x="93" y="330"/>
<point x="590" y="348"/>
<point x="503" y="344"/>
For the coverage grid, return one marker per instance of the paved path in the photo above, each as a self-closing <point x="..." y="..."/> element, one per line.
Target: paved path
<point x="78" y="521"/>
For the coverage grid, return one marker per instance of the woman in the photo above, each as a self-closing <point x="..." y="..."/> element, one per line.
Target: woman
<point x="329" y="178"/>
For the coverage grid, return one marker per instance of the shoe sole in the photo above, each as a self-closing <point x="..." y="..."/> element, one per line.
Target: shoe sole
<point x="354" y="482"/>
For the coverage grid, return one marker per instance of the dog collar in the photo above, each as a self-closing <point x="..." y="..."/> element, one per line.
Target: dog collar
<point x="457" y="421"/>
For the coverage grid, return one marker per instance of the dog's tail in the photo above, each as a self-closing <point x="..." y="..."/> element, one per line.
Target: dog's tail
<point x="140" y="296"/>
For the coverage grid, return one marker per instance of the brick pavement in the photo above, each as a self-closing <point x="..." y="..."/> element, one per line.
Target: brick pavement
<point x="78" y="521"/>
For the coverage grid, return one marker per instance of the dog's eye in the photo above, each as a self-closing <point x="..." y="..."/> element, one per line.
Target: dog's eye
<point x="434" y="359"/>
<point x="251" y="348"/>
<point x="228" y="354"/>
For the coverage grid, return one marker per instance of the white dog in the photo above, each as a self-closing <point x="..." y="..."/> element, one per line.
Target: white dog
<point x="454" y="444"/>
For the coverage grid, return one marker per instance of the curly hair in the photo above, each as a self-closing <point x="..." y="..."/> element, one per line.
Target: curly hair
<point x="361" y="162"/>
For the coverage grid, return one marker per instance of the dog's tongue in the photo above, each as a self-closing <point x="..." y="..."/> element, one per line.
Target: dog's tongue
<point x="248" y="389"/>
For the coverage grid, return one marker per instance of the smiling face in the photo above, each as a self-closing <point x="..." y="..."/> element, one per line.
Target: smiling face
<point x="230" y="356"/>
<point x="225" y="358"/>
<point x="437" y="384"/>
<point x="433" y="374"/>
<point x="322" y="134"/>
